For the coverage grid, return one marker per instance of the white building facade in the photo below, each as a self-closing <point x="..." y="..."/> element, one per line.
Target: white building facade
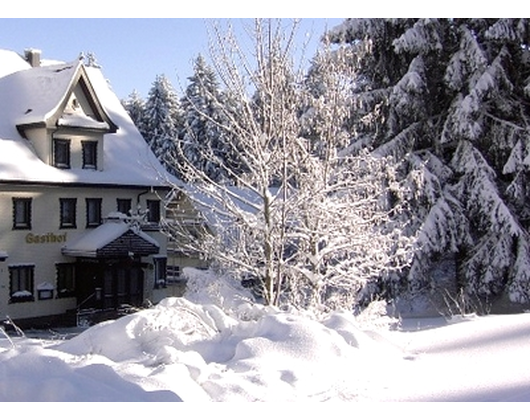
<point x="81" y="196"/>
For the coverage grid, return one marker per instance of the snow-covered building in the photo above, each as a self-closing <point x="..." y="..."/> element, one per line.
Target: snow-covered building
<point x="81" y="194"/>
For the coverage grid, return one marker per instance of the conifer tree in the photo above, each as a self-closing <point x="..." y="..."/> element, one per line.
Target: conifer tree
<point x="162" y="121"/>
<point x="448" y="99"/>
<point x="206" y="142"/>
<point x="135" y="107"/>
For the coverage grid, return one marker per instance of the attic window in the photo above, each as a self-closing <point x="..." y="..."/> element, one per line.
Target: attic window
<point x="61" y="153"/>
<point x="90" y="154"/>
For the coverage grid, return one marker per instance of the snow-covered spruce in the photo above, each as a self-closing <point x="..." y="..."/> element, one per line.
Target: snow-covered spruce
<point x="454" y="89"/>
<point x="161" y="120"/>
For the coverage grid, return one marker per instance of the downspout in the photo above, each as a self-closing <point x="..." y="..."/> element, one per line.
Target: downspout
<point x="147" y="191"/>
<point x="150" y="190"/>
<point x="138" y="198"/>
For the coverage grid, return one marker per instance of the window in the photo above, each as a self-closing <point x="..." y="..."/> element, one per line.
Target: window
<point x="65" y="280"/>
<point x="93" y="212"/>
<point x="153" y="211"/>
<point x="68" y="213"/>
<point x="90" y="154"/>
<point x="61" y="153"/>
<point x="172" y="273"/>
<point x="124" y="205"/>
<point x="21" y="213"/>
<point x="21" y="283"/>
<point x="75" y="104"/>
<point x="160" y="271"/>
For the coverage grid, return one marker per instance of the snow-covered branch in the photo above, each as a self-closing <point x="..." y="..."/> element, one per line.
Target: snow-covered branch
<point x="302" y="223"/>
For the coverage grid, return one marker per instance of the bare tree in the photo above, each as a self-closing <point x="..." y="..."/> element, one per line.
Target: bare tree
<point x="303" y="223"/>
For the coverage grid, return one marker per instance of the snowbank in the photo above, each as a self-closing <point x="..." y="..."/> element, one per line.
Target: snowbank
<point x="201" y="353"/>
<point x="192" y="349"/>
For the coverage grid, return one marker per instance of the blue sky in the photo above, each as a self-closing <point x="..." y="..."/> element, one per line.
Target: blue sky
<point x="131" y="51"/>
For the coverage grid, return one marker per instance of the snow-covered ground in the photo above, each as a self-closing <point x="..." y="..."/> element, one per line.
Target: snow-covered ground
<point x="189" y="349"/>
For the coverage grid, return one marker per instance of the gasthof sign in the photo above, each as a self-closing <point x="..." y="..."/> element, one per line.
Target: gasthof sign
<point x="47" y="238"/>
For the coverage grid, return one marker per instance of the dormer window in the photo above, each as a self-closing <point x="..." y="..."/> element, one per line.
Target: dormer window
<point x="90" y="154"/>
<point x="72" y="111"/>
<point x="61" y="153"/>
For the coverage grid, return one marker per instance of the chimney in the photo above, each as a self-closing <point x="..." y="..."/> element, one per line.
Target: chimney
<point x="33" y="57"/>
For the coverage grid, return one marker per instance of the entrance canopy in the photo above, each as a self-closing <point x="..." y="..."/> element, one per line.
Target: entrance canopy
<point x="113" y="239"/>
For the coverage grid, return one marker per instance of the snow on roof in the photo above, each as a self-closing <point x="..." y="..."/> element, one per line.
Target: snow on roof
<point x="11" y="62"/>
<point x="33" y="94"/>
<point x="88" y="244"/>
<point x="128" y="157"/>
<point x="220" y="207"/>
<point x="19" y="163"/>
<point x="84" y="121"/>
<point x="36" y="93"/>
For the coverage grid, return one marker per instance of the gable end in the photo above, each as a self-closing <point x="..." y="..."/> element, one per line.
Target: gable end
<point x="126" y="245"/>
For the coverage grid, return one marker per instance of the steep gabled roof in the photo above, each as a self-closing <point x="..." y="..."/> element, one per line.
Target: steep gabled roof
<point x="42" y="93"/>
<point x="38" y="95"/>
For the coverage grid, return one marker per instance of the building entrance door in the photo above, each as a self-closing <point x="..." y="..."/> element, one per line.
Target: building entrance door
<point x="122" y="285"/>
<point x="108" y="284"/>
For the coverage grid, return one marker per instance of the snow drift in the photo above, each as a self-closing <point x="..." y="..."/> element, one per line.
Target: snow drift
<point x="254" y="354"/>
<point x="189" y="349"/>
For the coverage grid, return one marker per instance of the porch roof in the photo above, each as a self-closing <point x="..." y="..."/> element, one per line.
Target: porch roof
<point x="113" y="239"/>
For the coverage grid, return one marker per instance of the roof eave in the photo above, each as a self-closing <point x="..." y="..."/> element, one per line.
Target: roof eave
<point x="81" y="184"/>
<point x="79" y="253"/>
<point x="93" y="98"/>
<point x="22" y="127"/>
